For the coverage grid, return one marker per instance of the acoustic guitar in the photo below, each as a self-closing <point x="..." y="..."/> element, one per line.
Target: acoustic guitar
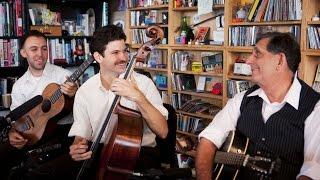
<point x="40" y="119"/>
<point x="233" y="156"/>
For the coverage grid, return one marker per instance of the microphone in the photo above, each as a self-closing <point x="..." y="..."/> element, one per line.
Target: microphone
<point x="177" y="172"/>
<point x="166" y="173"/>
<point x="4" y="128"/>
<point x="23" y="109"/>
<point x="45" y="149"/>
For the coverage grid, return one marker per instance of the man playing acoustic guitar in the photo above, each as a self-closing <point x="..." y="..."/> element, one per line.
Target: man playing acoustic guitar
<point x="40" y="73"/>
<point x="280" y="115"/>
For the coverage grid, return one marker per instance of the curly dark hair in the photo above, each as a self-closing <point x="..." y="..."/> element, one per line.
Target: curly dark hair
<point x="31" y="33"/>
<point x="103" y="35"/>
<point x="284" y="43"/>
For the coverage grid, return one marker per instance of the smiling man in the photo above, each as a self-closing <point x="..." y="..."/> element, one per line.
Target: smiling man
<point x="40" y="73"/>
<point x="95" y="97"/>
<point x="280" y="114"/>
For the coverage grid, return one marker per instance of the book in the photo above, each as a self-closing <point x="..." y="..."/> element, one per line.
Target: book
<point x="202" y="34"/>
<point x="161" y="81"/>
<point x="253" y="10"/>
<point x="188" y="82"/>
<point x="201" y="83"/>
<point x="212" y="62"/>
<point x="316" y="82"/>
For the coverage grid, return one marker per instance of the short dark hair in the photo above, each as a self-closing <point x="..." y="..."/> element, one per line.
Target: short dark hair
<point x="31" y="33"/>
<point x="103" y="35"/>
<point x="284" y="43"/>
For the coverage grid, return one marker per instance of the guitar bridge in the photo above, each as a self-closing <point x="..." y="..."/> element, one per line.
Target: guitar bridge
<point x="24" y="126"/>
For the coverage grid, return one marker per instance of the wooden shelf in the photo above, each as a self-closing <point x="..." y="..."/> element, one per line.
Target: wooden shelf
<point x="151" y="69"/>
<point x="161" y="46"/>
<point x="240" y="77"/>
<point x="164" y="6"/>
<point x="162" y="89"/>
<point x="196" y="114"/>
<point x="199" y="73"/>
<point x="196" y="47"/>
<point x="195" y="8"/>
<point x="200" y="94"/>
<point x="187" y="133"/>
<point x="271" y="23"/>
<point x="144" y="27"/>
<point x="313" y="23"/>
<point x="9" y="37"/>
<point x="245" y="49"/>
<point x="313" y="52"/>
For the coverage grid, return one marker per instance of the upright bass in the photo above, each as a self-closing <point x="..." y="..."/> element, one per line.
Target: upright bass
<point x="120" y="154"/>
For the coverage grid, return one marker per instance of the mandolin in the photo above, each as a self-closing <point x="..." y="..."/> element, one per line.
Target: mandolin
<point x="233" y="156"/>
<point x="40" y="121"/>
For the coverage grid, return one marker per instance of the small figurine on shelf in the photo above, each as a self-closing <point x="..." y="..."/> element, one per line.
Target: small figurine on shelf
<point x="178" y="3"/>
<point x="78" y="53"/>
<point x="155" y="3"/>
<point x="184" y="64"/>
<point x="241" y="14"/>
<point x="315" y="18"/>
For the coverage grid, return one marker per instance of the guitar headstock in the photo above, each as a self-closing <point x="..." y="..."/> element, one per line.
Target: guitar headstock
<point x="262" y="165"/>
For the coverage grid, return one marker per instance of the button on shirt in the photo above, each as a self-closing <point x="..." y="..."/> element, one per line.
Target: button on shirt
<point x="226" y="120"/>
<point x="92" y="104"/>
<point x="29" y="86"/>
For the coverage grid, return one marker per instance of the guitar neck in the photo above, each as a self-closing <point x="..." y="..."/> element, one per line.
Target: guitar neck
<point x="229" y="158"/>
<point x="74" y="76"/>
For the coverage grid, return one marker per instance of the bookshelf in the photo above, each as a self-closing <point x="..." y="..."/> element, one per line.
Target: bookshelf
<point x="12" y="27"/>
<point x="293" y="21"/>
<point x="310" y="56"/>
<point x="175" y="15"/>
<point x="137" y="20"/>
<point x="61" y="42"/>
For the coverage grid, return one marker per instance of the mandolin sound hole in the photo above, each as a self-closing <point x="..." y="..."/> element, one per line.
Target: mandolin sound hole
<point x="46" y="105"/>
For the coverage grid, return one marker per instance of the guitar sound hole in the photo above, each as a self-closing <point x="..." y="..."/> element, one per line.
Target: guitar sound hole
<point x="46" y="106"/>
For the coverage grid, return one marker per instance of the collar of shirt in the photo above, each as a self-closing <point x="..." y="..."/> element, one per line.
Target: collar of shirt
<point x="45" y="72"/>
<point x="292" y="97"/>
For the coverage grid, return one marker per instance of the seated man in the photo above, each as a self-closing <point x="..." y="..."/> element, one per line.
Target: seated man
<point x="280" y="115"/>
<point x="32" y="83"/>
<point x="94" y="99"/>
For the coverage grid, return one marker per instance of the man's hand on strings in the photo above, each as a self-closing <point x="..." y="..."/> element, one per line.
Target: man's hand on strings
<point x="79" y="149"/>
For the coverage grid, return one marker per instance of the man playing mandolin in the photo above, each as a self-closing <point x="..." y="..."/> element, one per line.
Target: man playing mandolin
<point x="280" y="115"/>
<point x="95" y="97"/>
<point x="40" y="73"/>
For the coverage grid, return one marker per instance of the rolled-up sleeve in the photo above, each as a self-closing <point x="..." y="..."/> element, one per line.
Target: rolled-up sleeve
<point x="311" y="164"/>
<point x="81" y="125"/>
